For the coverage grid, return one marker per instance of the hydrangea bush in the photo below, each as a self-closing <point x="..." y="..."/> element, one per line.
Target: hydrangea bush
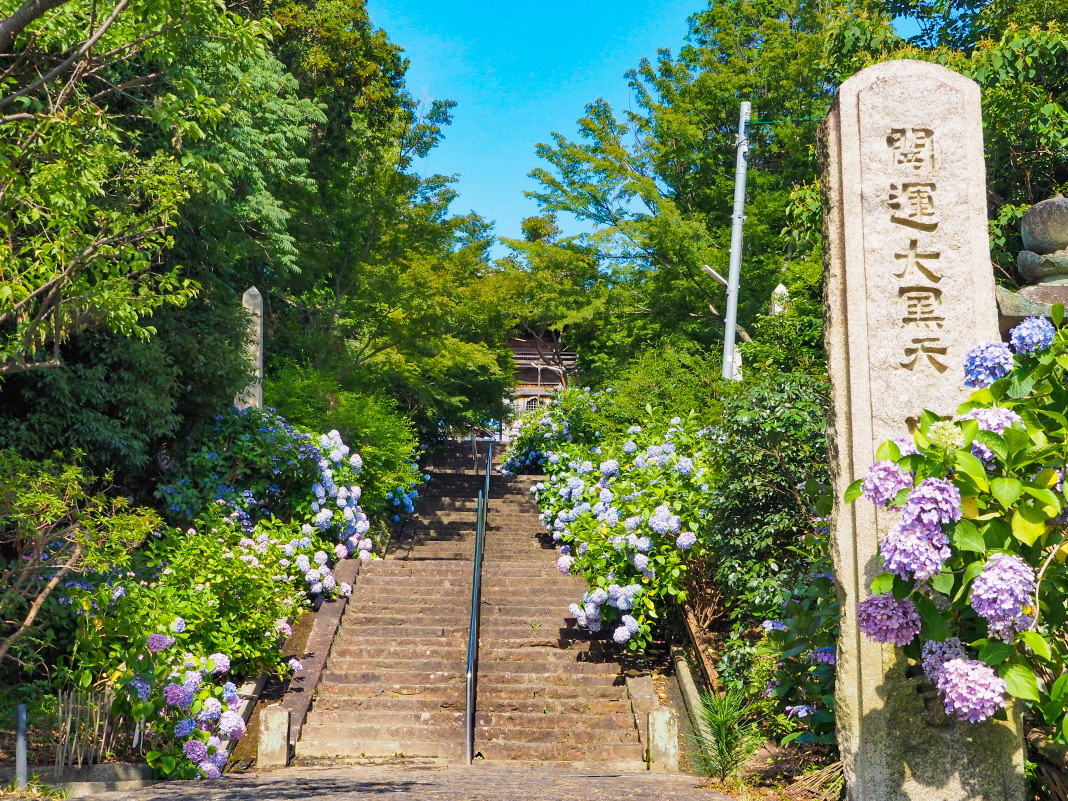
<point x="975" y="575"/>
<point x="186" y="702"/>
<point x="626" y="516"/>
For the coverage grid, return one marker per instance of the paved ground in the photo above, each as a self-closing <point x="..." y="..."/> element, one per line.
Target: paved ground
<point x="432" y="783"/>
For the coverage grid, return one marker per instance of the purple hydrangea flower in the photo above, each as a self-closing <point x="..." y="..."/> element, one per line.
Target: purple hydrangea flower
<point x="178" y="626"/>
<point x="621" y="634"/>
<point x="799" y="711"/>
<point x="563" y="564"/>
<point x="195" y="750"/>
<point x="229" y="691"/>
<point x="294" y="665"/>
<point x="183" y="728"/>
<point x="827" y="655"/>
<point x="1003" y="594"/>
<point x="686" y="540"/>
<point x="884" y="481"/>
<point x="773" y="625"/>
<point x="192" y="680"/>
<point x="1032" y="335"/>
<point x="159" y="642"/>
<point x="211" y="710"/>
<point x="935" y="654"/>
<point x="933" y="502"/>
<point x="178" y="695"/>
<point x="906" y="445"/>
<point x="609" y="467"/>
<point x="630" y="624"/>
<point x="883" y="618"/>
<point x="221" y="663"/>
<point x="986" y="363"/>
<point x="641" y="561"/>
<point x="971" y="690"/>
<point x="917" y="551"/>
<point x="232" y="725"/>
<point x="210" y="769"/>
<point x="993" y="419"/>
<point x="598" y="596"/>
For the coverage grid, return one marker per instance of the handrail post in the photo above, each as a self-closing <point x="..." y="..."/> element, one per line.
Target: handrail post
<point x="476" y="610"/>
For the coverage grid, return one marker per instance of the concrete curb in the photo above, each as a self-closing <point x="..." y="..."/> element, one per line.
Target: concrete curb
<point x="690" y="696"/>
<point x="89" y="780"/>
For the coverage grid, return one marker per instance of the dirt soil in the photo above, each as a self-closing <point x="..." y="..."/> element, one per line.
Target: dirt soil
<point x="243" y="757"/>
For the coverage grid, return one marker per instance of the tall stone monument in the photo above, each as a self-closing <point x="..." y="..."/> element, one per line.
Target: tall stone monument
<point x="252" y="301"/>
<point x="909" y="289"/>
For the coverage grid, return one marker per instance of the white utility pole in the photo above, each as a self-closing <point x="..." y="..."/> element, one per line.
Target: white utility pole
<point x="734" y="273"/>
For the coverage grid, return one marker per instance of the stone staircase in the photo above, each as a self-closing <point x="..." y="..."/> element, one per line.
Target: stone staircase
<point x="394" y="684"/>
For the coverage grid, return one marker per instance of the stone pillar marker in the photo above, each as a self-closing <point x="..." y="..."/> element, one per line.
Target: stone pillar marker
<point x="252" y="301"/>
<point x="909" y="289"/>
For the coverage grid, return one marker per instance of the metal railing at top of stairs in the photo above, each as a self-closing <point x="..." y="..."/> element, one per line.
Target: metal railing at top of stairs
<point x="476" y="607"/>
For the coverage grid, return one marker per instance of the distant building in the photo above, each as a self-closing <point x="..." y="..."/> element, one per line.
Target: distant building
<point x="538" y="368"/>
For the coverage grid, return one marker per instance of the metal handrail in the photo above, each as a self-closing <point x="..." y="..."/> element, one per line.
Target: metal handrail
<point x="476" y="608"/>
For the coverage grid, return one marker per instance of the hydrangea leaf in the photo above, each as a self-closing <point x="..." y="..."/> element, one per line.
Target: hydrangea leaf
<point x="1038" y="645"/>
<point x="1060" y="688"/>
<point x="1020" y="682"/>
<point x="1057" y="313"/>
<point x="1006" y="490"/>
<point x="993" y="441"/>
<point x="966" y="537"/>
<point x="942" y="582"/>
<point x="995" y="652"/>
<point x="1052" y="504"/>
<point x="934" y="626"/>
<point x="888" y="451"/>
<point x="883" y="583"/>
<point x="1028" y="523"/>
<point x="973" y="468"/>
<point x="853" y="491"/>
<point x="969" y="507"/>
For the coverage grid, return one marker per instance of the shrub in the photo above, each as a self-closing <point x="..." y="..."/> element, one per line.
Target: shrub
<point x="733" y="737"/>
<point x="975" y="576"/>
<point x="384" y="438"/>
<point x="53" y="524"/>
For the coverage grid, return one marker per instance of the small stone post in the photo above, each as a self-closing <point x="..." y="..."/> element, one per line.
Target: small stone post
<point x="663" y="739"/>
<point x="273" y="744"/>
<point x="252" y="301"/>
<point x="908" y="291"/>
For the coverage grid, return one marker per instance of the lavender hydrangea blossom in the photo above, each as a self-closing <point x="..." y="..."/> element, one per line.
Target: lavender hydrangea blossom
<point x="971" y="690"/>
<point x="935" y="654"/>
<point x="159" y="642"/>
<point x="884" y="481"/>
<point x="934" y="501"/>
<point x="195" y="750"/>
<point x="883" y="618"/>
<point x="993" y="419"/>
<point x="986" y="363"/>
<point x="686" y="540"/>
<point x="917" y="551"/>
<point x="232" y="725"/>
<point x="1003" y="594"/>
<point x="1032" y="335"/>
<point x="183" y="728"/>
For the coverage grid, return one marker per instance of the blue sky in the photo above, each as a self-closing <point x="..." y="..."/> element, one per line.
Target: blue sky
<point x="518" y="72"/>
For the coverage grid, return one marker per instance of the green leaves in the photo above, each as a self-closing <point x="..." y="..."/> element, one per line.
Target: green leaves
<point x="1006" y="490"/>
<point x="966" y="537"/>
<point x="1020" y="682"/>
<point x="853" y="491"/>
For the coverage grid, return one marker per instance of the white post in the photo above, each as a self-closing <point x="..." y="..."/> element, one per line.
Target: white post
<point x="252" y="300"/>
<point x="733" y="275"/>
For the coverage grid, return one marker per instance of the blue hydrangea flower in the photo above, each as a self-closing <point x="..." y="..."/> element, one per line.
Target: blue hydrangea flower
<point x="1032" y="335"/>
<point x="684" y="466"/>
<point x="686" y="540"/>
<point x="183" y="728"/>
<point x="986" y="363"/>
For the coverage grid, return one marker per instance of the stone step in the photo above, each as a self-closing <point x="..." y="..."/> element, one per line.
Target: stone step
<point x="486" y="668"/>
<point x="359" y="733"/>
<point x="415" y="705"/>
<point x="483" y="720"/>
<point x="456" y="692"/>
<point x="458" y="616"/>
<point x="346" y="672"/>
<point x="580" y="642"/>
<point x="504" y="750"/>
<point x="339" y="748"/>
